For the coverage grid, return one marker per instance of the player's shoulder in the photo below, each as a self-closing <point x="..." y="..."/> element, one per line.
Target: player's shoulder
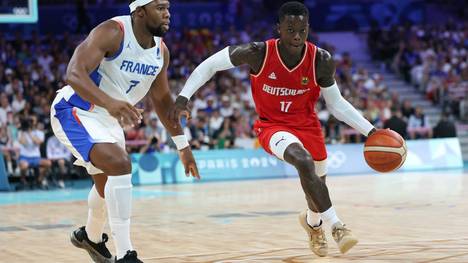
<point x="254" y="48"/>
<point x="324" y="56"/>
<point x="257" y="46"/>
<point x="110" y="29"/>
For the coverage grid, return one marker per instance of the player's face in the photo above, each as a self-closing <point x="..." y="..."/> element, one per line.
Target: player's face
<point x="158" y="17"/>
<point x="293" y="31"/>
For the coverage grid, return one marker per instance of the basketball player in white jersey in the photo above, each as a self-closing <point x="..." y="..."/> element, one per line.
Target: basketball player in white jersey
<point x="121" y="60"/>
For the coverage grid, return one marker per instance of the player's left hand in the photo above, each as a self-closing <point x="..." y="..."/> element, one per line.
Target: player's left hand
<point x="189" y="163"/>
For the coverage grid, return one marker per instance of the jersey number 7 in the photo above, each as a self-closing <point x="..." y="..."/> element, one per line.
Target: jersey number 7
<point x="132" y="85"/>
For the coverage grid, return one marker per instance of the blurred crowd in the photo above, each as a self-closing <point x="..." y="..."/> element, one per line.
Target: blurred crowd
<point x="433" y="58"/>
<point x="33" y="68"/>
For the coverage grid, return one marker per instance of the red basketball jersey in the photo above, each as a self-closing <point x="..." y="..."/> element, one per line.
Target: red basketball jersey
<point x="285" y="96"/>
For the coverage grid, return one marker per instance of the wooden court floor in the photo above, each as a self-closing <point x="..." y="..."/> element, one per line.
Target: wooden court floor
<point x="402" y="217"/>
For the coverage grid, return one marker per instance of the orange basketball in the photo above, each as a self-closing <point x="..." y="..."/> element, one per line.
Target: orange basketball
<point x="385" y="151"/>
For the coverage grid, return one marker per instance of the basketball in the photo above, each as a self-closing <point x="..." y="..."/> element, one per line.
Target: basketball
<point x="385" y="151"/>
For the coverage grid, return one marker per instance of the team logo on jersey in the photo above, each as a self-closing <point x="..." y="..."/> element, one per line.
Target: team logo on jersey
<point x="272" y="75"/>
<point x="304" y="80"/>
<point x="128" y="46"/>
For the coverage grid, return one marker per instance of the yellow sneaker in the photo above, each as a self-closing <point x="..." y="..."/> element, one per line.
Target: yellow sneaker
<point x="317" y="240"/>
<point x="343" y="237"/>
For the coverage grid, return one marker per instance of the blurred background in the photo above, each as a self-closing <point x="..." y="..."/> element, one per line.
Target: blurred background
<point x="403" y="64"/>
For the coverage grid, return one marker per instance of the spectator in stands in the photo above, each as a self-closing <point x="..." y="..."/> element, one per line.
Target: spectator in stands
<point x="407" y="109"/>
<point x="445" y="127"/>
<point x="6" y="148"/>
<point x="153" y="135"/>
<point x="418" y="125"/>
<point x="226" y="108"/>
<point x="5" y="108"/>
<point x="225" y="136"/>
<point x="397" y="123"/>
<point x="30" y="138"/>
<point x="153" y="144"/>
<point x="18" y="102"/>
<point x="200" y="133"/>
<point x="216" y="120"/>
<point x="59" y="156"/>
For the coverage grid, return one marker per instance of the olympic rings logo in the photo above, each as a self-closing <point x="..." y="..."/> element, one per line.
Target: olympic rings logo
<point x="336" y="159"/>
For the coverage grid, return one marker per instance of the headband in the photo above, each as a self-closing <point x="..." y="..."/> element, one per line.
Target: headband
<point x="137" y="3"/>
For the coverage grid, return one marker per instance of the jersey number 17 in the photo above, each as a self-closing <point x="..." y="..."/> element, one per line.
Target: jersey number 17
<point x="285" y="105"/>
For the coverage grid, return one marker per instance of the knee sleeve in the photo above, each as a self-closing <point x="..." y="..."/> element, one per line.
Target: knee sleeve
<point x="321" y="168"/>
<point x="280" y="141"/>
<point x="118" y="193"/>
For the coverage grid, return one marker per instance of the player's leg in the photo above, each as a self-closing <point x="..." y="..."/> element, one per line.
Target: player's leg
<point x="288" y="147"/>
<point x="313" y="214"/>
<point x="315" y="145"/>
<point x="92" y="237"/>
<point x="114" y="161"/>
<point x="79" y="133"/>
<point x="96" y="209"/>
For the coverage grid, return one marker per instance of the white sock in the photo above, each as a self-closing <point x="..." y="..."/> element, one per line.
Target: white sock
<point x="329" y="217"/>
<point x="96" y="216"/>
<point x="313" y="219"/>
<point x="118" y="192"/>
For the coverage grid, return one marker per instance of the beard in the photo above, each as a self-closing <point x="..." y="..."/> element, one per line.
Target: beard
<point x="157" y="31"/>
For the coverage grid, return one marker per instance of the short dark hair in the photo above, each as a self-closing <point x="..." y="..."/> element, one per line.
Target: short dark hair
<point x="293" y="8"/>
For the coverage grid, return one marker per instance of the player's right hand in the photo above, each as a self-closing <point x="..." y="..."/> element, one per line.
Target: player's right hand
<point x="179" y="109"/>
<point x="125" y="113"/>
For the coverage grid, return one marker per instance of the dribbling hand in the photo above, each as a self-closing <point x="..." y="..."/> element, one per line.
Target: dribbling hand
<point x="179" y="109"/>
<point x="125" y="113"/>
<point x="190" y="166"/>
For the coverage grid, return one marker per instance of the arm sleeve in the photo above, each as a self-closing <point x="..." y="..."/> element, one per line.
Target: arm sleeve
<point x="217" y="62"/>
<point x="344" y="111"/>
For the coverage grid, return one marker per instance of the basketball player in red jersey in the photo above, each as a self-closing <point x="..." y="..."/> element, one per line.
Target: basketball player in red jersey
<point x="287" y="75"/>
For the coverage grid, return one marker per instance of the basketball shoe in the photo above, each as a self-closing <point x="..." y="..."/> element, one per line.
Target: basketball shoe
<point x="343" y="237"/>
<point x="98" y="251"/>
<point x="130" y="257"/>
<point x="317" y="240"/>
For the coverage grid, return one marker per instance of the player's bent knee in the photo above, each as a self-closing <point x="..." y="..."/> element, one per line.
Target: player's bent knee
<point x="298" y="156"/>
<point x="111" y="159"/>
<point x="304" y="161"/>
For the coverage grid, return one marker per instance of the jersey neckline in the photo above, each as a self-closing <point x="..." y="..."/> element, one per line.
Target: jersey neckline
<point x="281" y="60"/>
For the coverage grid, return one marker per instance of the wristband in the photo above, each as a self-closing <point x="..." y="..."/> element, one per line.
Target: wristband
<point x="180" y="141"/>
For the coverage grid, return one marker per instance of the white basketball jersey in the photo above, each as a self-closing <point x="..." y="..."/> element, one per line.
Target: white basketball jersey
<point x="127" y="75"/>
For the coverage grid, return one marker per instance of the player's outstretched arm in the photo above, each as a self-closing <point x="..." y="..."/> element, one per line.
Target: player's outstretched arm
<point x="336" y="104"/>
<point x="232" y="56"/>
<point x="104" y="40"/>
<point x="160" y="95"/>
